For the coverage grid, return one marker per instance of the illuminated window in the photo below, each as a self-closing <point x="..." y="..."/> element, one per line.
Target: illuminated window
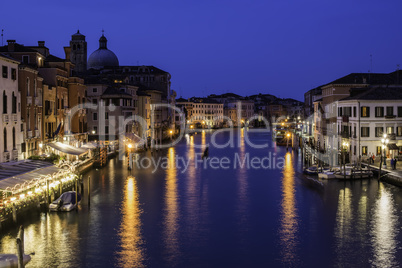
<point x="364" y="150"/>
<point x="365" y="111"/>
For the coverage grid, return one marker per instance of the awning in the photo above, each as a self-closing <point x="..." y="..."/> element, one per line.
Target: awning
<point x="392" y="146"/>
<point x="68" y="149"/>
<point x="13" y="173"/>
<point x="89" y="145"/>
<point x="135" y="139"/>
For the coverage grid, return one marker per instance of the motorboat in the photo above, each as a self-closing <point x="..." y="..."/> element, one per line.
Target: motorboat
<point x="66" y="202"/>
<point x="314" y="170"/>
<point x="353" y="174"/>
<point x="327" y="175"/>
<point x="11" y="260"/>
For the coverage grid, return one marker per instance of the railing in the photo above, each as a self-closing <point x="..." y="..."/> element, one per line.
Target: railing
<point x="345" y="135"/>
<point x="15" y="155"/>
<point x="37" y="133"/>
<point x="38" y="101"/>
<point x="29" y="134"/>
<point x="14" y="117"/>
<point x="6" y="156"/>
<point x="390" y="116"/>
<point x="6" y="118"/>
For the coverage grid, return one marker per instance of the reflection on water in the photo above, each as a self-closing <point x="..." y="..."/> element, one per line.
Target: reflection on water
<point x="242" y="183"/>
<point x="131" y="253"/>
<point x="171" y="218"/>
<point x="384" y="230"/>
<point x="344" y="229"/>
<point x="289" y="220"/>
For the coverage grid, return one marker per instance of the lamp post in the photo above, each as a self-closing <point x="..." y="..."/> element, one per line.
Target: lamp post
<point x="287" y="141"/>
<point x="344" y="151"/>
<point x="384" y="143"/>
<point x="171" y="132"/>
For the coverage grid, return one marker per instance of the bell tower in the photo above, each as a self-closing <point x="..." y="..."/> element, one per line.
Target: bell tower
<point x="78" y="54"/>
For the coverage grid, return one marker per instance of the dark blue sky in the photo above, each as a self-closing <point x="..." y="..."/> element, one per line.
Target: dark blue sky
<point x="216" y="46"/>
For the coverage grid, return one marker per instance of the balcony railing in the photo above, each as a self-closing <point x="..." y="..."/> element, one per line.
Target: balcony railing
<point x="29" y="134"/>
<point x="15" y="155"/>
<point x="14" y="118"/>
<point x="6" y="156"/>
<point x="38" y="101"/>
<point x="345" y="135"/>
<point x="390" y="116"/>
<point x="6" y="118"/>
<point x="37" y="133"/>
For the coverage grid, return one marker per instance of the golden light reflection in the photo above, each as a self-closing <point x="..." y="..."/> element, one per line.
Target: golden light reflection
<point x="242" y="183"/>
<point x="343" y="228"/>
<point x="289" y="225"/>
<point x="171" y="211"/>
<point x="384" y="230"/>
<point x="131" y="253"/>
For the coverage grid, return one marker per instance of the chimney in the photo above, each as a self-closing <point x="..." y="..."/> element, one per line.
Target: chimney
<point x="67" y="51"/>
<point x="41" y="43"/>
<point x="11" y="45"/>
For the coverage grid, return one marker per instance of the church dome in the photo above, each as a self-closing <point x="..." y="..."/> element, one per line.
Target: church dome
<point x="102" y="57"/>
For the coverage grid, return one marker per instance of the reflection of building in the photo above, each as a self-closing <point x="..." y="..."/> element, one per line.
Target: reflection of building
<point x="364" y="116"/>
<point x="10" y="123"/>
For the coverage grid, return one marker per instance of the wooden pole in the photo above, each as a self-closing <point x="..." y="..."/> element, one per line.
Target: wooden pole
<point x="20" y="247"/>
<point x="76" y="194"/>
<point x="82" y="185"/>
<point x="89" y="191"/>
<point x="14" y="213"/>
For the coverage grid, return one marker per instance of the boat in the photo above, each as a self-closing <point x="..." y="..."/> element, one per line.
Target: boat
<point x="314" y="170"/>
<point x="66" y="202"/>
<point x="11" y="260"/>
<point x="353" y="174"/>
<point x="327" y="175"/>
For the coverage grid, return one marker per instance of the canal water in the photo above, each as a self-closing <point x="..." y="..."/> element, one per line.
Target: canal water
<point x="247" y="207"/>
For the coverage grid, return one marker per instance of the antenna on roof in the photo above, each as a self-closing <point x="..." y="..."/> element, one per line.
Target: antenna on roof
<point x="2" y="30"/>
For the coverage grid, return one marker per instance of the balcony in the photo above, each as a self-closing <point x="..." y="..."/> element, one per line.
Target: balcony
<point x="6" y="118"/>
<point x="6" y="156"/>
<point x="14" y="117"/>
<point x="29" y="134"/>
<point x="37" y="133"/>
<point x="345" y="135"/>
<point x="38" y="101"/>
<point x="14" y="155"/>
<point x="390" y="116"/>
<point x="29" y="100"/>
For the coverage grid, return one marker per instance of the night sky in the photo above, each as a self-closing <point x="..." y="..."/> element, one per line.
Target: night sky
<point x="282" y="48"/>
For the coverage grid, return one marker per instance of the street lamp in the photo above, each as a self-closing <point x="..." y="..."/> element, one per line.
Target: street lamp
<point x="287" y="141"/>
<point x="171" y="132"/>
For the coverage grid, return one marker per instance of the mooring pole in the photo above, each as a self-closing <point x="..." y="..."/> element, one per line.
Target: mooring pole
<point x="20" y="247"/>
<point x="89" y="191"/>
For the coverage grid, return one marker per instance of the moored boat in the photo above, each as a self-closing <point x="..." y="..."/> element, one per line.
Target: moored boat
<point x="66" y="202"/>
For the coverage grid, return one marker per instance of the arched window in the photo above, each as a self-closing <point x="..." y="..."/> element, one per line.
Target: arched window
<point x="4" y="102"/>
<point x="14" y="138"/>
<point x="14" y="104"/>
<point x="74" y="47"/>
<point x="5" y="139"/>
<point x="78" y="47"/>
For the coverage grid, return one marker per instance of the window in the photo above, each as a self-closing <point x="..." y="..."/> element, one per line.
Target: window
<point x="399" y="131"/>
<point x="379" y="111"/>
<point x="94" y="90"/>
<point x="5" y="71"/>
<point x="14" y="104"/>
<point x="354" y="111"/>
<point x="4" y="102"/>
<point x="106" y="115"/>
<point x="13" y="74"/>
<point x="378" y="152"/>
<point x="96" y="130"/>
<point x="14" y="138"/>
<point x="27" y="86"/>
<point x="106" y="129"/>
<point x="390" y="130"/>
<point x="365" y="132"/>
<point x="400" y="111"/>
<point x="379" y="131"/>
<point x="365" y="111"/>
<point x="364" y="150"/>
<point x="25" y="59"/>
<point x="347" y="111"/>
<point x="95" y="116"/>
<point x="390" y="111"/>
<point x="95" y="101"/>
